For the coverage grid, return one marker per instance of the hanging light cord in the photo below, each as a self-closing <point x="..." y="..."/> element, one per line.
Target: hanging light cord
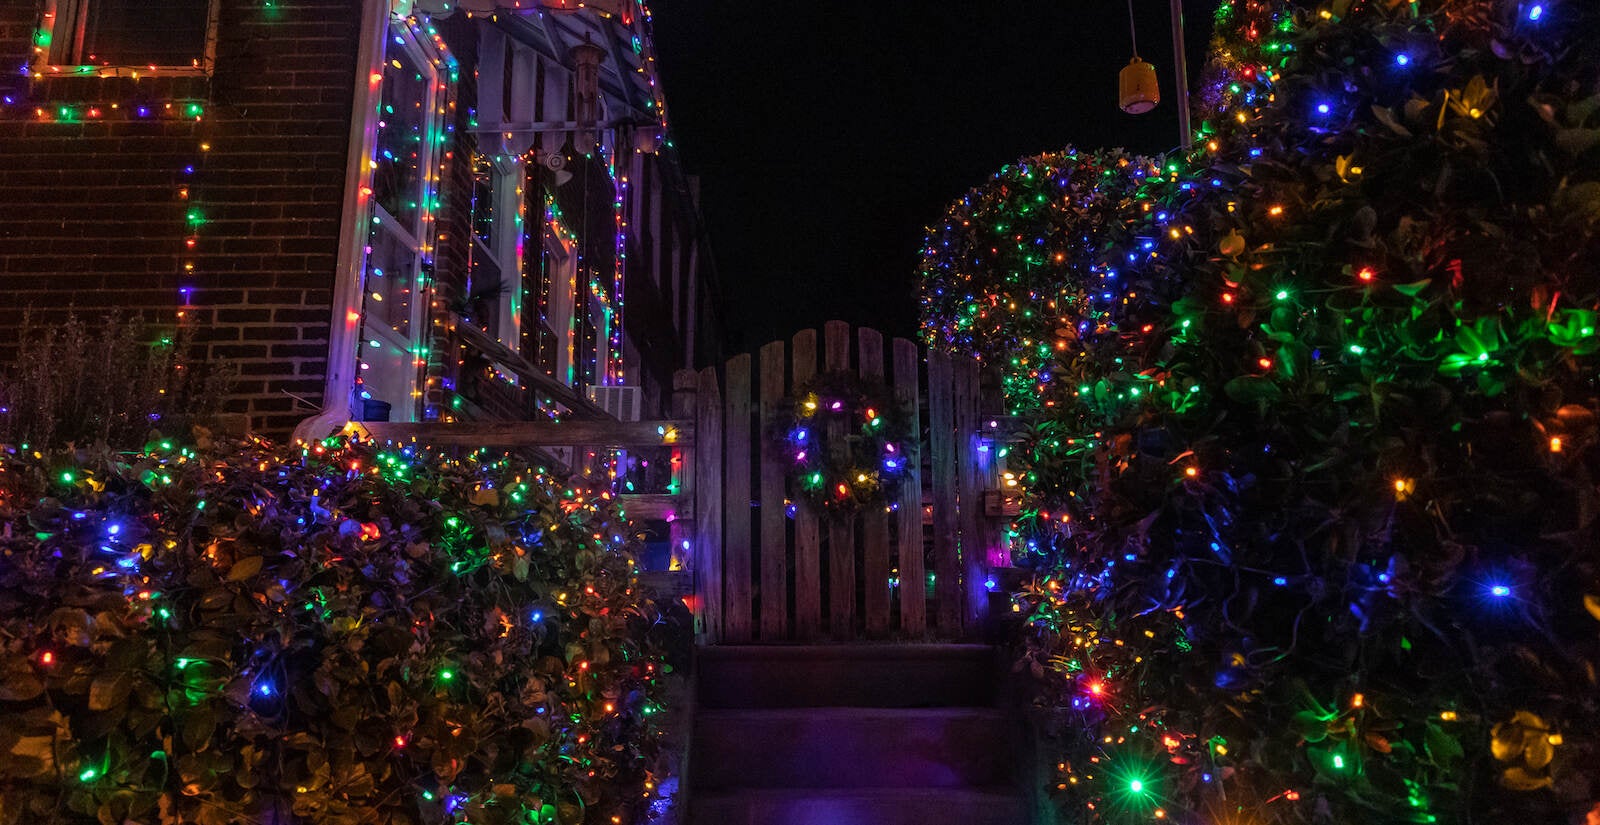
<point x="1132" y="35"/>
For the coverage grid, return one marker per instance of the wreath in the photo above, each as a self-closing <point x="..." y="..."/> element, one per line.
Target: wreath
<point x="844" y="437"/>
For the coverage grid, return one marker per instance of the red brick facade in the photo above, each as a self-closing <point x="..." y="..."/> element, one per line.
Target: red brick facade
<point x="102" y="202"/>
<point x="215" y="201"/>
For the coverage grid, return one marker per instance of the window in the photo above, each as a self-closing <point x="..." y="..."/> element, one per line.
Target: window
<point x="399" y="243"/>
<point x="557" y="268"/>
<point x="493" y="289"/>
<point x="132" y="34"/>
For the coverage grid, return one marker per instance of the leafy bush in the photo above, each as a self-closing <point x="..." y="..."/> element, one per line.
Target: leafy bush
<point x="337" y="634"/>
<point x="1315" y="502"/>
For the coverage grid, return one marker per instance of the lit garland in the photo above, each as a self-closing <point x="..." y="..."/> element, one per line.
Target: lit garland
<point x="340" y="630"/>
<point x="1314" y="512"/>
<point x="845" y="439"/>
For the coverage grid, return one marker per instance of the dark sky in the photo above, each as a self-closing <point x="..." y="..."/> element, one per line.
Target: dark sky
<point x="827" y="134"/>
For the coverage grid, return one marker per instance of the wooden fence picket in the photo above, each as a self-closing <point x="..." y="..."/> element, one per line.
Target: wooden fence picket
<point x="942" y="446"/>
<point x="908" y="515"/>
<point x="841" y="532"/>
<point x="807" y="538"/>
<point x="974" y="555"/>
<point x="708" y="569"/>
<point x="736" y="497"/>
<point x="875" y="522"/>
<point x="774" y="589"/>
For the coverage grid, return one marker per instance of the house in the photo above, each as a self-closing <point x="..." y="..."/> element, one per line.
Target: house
<point x="403" y="210"/>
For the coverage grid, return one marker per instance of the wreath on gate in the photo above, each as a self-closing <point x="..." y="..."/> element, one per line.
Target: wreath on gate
<point x="845" y="438"/>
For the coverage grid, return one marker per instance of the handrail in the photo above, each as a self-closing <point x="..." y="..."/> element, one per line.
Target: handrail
<point x="525" y="369"/>
<point x="612" y="433"/>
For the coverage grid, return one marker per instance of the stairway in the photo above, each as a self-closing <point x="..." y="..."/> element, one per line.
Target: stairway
<point x="850" y="735"/>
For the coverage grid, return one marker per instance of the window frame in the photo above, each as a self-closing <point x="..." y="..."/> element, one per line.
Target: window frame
<point x="558" y="262"/>
<point x="418" y="238"/>
<point x="504" y="179"/>
<point x="44" y="64"/>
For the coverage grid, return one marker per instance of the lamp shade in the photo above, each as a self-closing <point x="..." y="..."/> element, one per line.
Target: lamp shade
<point x="1137" y="89"/>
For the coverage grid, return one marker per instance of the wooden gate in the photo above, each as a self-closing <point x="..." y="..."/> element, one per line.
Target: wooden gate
<point x="757" y="567"/>
<point x="768" y="569"/>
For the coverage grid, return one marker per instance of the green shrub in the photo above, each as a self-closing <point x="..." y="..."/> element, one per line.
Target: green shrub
<point x="1311" y="475"/>
<point x="335" y="634"/>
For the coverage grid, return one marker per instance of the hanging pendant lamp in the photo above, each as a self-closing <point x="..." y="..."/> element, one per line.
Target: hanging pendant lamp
<point x="1137" y="89"/>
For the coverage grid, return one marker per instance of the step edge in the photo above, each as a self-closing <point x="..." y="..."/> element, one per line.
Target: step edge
<point x="982" y="792"/>
<point x="847" y="712"/>
<point x="845" y="652"/>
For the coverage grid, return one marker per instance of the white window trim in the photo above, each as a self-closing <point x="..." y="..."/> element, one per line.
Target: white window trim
<point x="505" y="244"/>
<point x="504" y="247"/>
<point x="344" y="328"/>
<point x="344" y="332"/>
<point x="41" y="65"/>
<point x="560" y="260"/>
<point x="404" y="407"/>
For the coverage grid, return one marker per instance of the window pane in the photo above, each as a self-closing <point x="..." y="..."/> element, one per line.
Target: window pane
<point x="483" y="201"/>
<point x="547" y="351"/>
<point x="141" y="33"/>
<point x="389" y="282"/>
<point x="590" y="370"/>
<point x="402" y="121"/>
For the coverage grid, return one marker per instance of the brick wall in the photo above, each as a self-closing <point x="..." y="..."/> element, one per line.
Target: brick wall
<point x="101" y="205"/>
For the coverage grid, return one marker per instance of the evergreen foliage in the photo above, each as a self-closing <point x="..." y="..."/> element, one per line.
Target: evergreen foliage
<point x="1315" y="504"/>
<point x="330" y="634"/>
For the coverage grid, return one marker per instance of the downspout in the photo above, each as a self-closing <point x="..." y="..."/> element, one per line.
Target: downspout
<point x="345" y="325"/>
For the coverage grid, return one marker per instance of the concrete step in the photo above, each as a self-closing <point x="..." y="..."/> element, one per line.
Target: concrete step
<point x="863" y="806"/>
<point x="883" y="676"/>
<point x="853" y="748"/>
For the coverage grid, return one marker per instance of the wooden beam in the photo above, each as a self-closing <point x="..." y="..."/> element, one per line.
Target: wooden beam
<point x="668" y="433"/>
<point x="652" y="506"/>
<point x="668" y="582"/>
<point x="680" y="531"/>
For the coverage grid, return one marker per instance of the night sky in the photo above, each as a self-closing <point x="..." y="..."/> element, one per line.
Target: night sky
<point x="828" y="134"/>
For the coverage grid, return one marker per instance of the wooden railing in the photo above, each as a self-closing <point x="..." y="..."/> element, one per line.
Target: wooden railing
<point x="762" y="568"/>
